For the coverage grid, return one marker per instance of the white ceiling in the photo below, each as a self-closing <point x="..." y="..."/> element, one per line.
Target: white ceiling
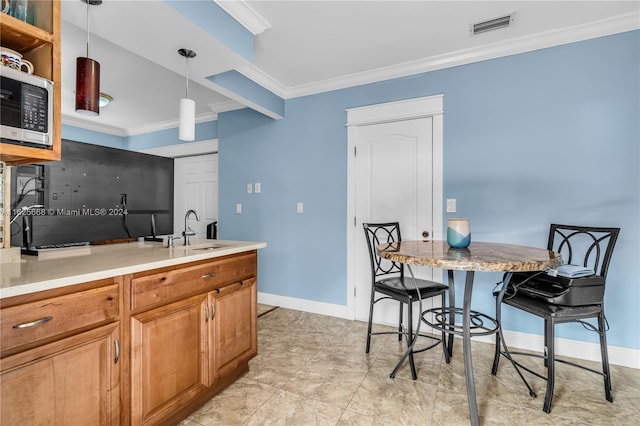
<point x="308" y="47"/>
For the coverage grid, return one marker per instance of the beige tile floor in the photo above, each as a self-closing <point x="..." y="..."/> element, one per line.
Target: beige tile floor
<point x="312" y="370"/>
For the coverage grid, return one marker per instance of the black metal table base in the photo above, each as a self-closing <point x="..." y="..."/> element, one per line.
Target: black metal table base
<point x="473" y="324"/>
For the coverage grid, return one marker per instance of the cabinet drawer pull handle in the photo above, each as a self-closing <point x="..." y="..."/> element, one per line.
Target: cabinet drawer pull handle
<point x="206" y="313"/>
<point x="117" y="345"/>
<point x="213" y="310"/>
<point x="207" y="276"/>
<point x="33" y="323"/>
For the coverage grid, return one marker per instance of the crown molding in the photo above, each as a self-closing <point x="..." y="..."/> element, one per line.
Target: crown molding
<point x="229" y="105"/>
<point x="169" y="124"/>
<point x="132" y="131"/>
<point x="263" y="79"/>
<point x="605" y="27"/>
<point x="247" y="103"/>
<point x="69" y="120"/>
<point x="247" y="16"/>
<point x="615" y="25"/>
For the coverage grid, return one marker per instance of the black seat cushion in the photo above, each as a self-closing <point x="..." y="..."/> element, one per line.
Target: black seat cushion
<point x="397" y="287"/>
<point x="543" y="309"/>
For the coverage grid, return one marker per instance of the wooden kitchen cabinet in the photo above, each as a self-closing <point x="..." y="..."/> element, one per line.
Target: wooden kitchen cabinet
<point x="233" y="332"/>
<point x="144" y="348"/>
<point x="73" y="381"/>
<point x="33" y="323"/>
<point x="169" y="365"/>
<point x="40" y="44"/>
<point x="61" y="356"/>
<point x="192" y="333"/>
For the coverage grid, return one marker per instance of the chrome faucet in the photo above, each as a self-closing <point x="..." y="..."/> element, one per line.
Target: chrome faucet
<point x="187" y="230"/>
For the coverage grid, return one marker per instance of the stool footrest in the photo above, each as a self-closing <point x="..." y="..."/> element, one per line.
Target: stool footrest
<point x="444" y="320"/>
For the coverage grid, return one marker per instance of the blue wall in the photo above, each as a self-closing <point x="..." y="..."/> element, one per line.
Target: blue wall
<point x="541" y="137"/>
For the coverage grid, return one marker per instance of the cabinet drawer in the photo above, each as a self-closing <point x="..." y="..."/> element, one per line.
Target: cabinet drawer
<point x="170" y="284"/>
<point x="36" y="321"/>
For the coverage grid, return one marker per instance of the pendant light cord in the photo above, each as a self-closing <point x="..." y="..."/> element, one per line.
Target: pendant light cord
<point x="187" y="89"/>
<point x="87" y="29"/>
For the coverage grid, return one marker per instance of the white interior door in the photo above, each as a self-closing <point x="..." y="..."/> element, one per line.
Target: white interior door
<point x="195" y="187"/>
<point x="393" y="180"/>
<point x="395" y="175"/>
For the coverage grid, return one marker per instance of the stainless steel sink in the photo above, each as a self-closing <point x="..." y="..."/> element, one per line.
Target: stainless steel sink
<point x="201" y="245"/>
<point x="213" y="247"/>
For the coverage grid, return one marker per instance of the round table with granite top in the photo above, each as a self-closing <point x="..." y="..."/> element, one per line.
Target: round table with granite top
<point x="479" y="256"/>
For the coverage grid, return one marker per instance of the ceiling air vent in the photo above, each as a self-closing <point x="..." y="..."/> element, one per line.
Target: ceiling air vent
<point x="492" y="24"/>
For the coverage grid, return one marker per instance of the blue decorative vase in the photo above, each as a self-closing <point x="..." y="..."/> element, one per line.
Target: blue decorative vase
<point x="458" y="233"/>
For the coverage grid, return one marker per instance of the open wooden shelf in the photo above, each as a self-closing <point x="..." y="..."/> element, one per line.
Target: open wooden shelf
<point x="40" y="44"/>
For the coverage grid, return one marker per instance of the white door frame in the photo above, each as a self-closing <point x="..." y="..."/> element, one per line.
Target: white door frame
<point x="430" y="106"/>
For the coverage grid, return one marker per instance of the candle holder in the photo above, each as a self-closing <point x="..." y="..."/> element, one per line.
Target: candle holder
<point x="458" y="233"/>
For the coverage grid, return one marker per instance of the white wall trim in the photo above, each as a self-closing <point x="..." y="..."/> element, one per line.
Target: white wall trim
<point x="169" y="124"/>
<point x="615" y="25"/>
<point x="88" y="124"/>
<point x="245" y="101"/>
<point x="564" y="347"/>
<point x="304" y="305"/>
<point x="247" y="16"/>
<point x="610" y="26"/>
<point x="605" y="27"/>
<point x="569" y="348"/>
<point x="184" y="149"/>
<point x="407" y="109"/>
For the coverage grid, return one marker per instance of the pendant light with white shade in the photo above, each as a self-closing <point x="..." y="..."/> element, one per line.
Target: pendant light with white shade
<point x="187" y="127"/>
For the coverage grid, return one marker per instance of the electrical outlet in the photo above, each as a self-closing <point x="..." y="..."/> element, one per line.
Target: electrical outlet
<point x="250" y="188"/>
<point x="300" y="208"/>
<point x="238" y="208"/>
<point x="257" y="187"/>
<point x="24" y="184"/>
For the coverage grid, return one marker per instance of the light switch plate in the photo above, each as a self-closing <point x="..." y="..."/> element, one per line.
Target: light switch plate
<point x="238" y="208"/>
<point x="451" y="205"/>
<point x="257" y="187"/>
<point x="300" y="208"/>
<point x="250" y="188"/>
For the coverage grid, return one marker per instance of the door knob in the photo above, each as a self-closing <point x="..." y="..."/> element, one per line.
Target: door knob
<point x="425" y="234"/>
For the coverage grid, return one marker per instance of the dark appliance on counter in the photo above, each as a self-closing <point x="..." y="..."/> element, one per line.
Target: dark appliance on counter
<point x="558" y="290"/>
<point x="93" y="194"/>
<point x="212" y="230"/>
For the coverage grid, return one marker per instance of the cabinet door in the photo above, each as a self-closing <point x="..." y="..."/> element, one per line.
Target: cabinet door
<point x="74" y="381"/>
<point x="169" y="358"/>
<point x="234" y="337"/>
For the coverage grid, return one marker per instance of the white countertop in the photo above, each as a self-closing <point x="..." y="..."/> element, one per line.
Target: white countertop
<point x="33" y="274"/>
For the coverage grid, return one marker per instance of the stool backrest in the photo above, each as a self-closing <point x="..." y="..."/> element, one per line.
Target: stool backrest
<point x="587" y="246"/>
<point x="377" y="234"/>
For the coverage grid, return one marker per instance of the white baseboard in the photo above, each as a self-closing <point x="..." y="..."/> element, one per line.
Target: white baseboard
<point x="321" y="308"/>
<point x="570" y="348"/>
<point x="564" y="347"/>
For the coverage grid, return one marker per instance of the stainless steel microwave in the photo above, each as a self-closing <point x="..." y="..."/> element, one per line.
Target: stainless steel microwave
<point x="26" y="109"/>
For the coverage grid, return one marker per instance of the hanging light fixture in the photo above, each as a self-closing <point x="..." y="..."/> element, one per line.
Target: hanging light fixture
<point x="187" y="127"/>
<point x="88" y="77"/>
